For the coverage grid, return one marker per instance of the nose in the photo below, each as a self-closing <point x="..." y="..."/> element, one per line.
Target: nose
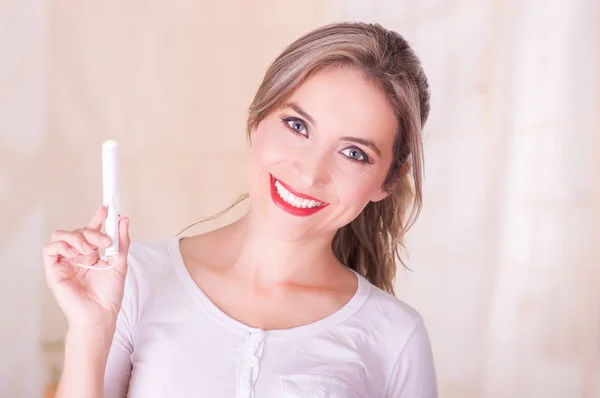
<point x="311" y="170"/>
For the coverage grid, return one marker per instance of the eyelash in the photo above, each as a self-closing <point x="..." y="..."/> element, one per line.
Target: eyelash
<point x="365" y="159"/>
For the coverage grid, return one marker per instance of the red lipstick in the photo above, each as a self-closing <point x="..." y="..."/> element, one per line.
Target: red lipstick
<point x="297" y="211"/>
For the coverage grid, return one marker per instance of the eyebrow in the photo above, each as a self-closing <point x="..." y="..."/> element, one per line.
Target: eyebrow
<point x="362" y="141"/>
<point x="367" y="143"/>
<point x="300" y="111"/>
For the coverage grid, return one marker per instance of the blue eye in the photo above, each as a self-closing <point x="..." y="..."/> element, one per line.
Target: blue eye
<point x="296" y="125"/>
<point x="356" y="154"/>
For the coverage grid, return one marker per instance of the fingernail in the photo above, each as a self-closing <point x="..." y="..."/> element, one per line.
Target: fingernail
<point x="106" y="240"/>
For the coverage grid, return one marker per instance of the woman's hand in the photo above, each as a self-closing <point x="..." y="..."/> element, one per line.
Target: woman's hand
<point x="88" y="298"/>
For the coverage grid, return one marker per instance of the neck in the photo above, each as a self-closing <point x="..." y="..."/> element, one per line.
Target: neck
<point x="267" y="260"/>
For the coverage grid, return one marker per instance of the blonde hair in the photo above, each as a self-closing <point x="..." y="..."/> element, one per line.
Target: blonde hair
<point x="370" y="243"/>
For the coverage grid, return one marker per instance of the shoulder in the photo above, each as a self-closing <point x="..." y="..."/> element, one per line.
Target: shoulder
<point x="400" y="328"/>
<point x="389" y="314"/>
<point x="150" y="266"/>
<point x="390" y="322"/>
<point x="151" y="276"/>
<point x="151" y="257"/>
<point x="152" y="252"/>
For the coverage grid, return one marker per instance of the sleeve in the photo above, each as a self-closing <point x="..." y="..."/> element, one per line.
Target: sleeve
<point x="118" y="365"/>
<point x="413" y="374"/>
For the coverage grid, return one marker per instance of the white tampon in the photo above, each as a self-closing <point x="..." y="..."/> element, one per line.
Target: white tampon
<point x="111" y="194"/>
<point x="111" y="197"/>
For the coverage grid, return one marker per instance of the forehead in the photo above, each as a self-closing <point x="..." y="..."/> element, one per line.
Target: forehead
<point x="341" y="100"/>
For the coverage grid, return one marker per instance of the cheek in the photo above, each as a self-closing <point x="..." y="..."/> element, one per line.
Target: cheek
<point x="268" y="142"/>
<point x="267" y="151"/>
<point x="356" y="189"/>
<point x="263" y="153"/>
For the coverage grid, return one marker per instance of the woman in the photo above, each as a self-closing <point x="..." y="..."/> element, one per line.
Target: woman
<point x="295" y="298"/>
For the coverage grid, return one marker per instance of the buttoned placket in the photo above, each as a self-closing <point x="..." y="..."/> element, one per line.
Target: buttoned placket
<point x="249" y="367"/>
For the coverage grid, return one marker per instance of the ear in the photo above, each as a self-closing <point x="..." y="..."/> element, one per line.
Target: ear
<point x="384" y="192"/>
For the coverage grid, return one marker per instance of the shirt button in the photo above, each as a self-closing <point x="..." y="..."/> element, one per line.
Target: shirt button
<point x="319" y="393"/>
<point x="251" y="361"/>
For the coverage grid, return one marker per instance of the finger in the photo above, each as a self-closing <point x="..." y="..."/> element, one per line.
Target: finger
<point x="98" y="218"/>
<point x="124" y="241"/>
<point x="75" y="239"/>
<point x="59" y="248"/>
<point x="95" y="237"/>
<point x="52" y="254"/>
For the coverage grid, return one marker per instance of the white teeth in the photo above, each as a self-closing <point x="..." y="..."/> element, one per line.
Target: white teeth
<point x="294" y="200"/>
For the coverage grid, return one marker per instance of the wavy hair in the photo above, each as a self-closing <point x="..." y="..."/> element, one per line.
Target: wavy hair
<point x="372" y="242"/>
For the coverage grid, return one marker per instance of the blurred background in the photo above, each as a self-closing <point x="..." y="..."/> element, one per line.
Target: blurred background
<point x="505" y="255"/>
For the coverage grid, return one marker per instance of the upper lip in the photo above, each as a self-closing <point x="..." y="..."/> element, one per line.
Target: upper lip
<point x="298" y="194"/>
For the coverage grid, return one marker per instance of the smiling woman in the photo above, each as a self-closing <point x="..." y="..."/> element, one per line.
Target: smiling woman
<point x="365" y="80"/>
<point x="294" y="299"/>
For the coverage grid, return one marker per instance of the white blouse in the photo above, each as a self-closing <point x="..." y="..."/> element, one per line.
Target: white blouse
<point x="172" y="341"/>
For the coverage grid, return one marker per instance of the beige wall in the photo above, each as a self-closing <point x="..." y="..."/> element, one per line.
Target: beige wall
<point x="505" y="255"/>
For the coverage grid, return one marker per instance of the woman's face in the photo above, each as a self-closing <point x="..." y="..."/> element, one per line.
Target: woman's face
<point x="320" y="158"/>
